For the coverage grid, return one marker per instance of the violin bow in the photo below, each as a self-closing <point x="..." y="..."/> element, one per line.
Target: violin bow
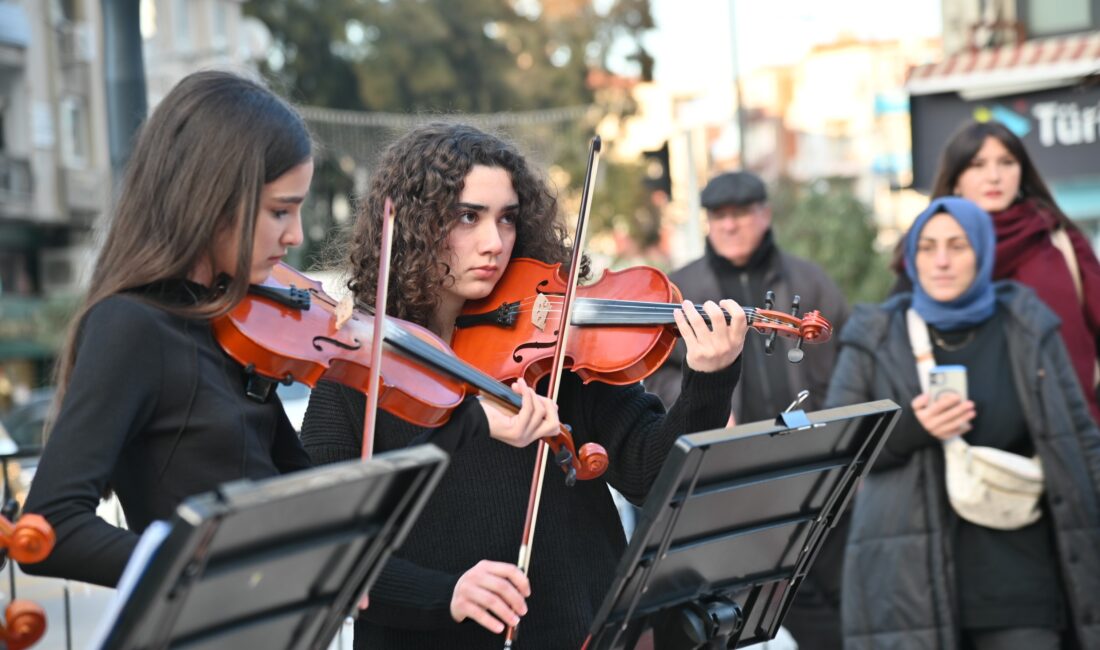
<point x="537" y="479"/>
<point x="374" y="377"/>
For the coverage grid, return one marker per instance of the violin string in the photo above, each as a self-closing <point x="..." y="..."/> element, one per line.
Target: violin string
<point x="642" y="316"/>
<point x="552" y="299"/>
<point x="631" y="318"/>
<point x="660" y="308"/>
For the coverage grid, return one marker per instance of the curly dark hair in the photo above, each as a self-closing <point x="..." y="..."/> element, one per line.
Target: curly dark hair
<point x="424" y="173"/>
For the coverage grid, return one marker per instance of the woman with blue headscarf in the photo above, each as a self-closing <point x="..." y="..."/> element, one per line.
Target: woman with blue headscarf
<point x="916" y="575"/>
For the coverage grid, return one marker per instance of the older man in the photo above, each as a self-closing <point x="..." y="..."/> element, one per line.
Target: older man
<point x="742" y="262"/>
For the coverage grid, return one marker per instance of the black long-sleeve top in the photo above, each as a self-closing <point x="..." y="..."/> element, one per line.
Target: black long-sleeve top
<point x="477" y="511"/>
<point x="156" y="411"/>
<point x="984" y="556"/>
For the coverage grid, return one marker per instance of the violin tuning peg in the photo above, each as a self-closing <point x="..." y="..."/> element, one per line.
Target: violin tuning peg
<point x="795" y="354"/>
<point x="769" y="343"/>
<point x="564" y="459"/>
<point x="769" y="299"/>
<point x="795" y="305"/>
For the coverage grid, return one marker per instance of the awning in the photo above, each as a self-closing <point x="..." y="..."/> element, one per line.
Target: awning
<point x="1011" y="69"/>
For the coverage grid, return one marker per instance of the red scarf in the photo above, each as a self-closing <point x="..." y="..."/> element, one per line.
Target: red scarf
<point x="1026" y="254"/>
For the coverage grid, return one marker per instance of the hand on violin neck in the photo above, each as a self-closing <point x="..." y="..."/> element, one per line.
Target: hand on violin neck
<point x="491" y="594"/>
<point x="712" y="347"/>
<point x="536" y="418"/>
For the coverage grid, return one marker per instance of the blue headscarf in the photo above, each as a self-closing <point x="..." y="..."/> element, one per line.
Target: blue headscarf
<point x="978" y="302"/>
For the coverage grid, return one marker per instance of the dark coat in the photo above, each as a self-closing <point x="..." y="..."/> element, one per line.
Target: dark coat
<point x="898" y="588"/>
<point x="787" y="276"/>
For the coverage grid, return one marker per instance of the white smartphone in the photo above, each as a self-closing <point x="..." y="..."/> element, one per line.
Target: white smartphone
<point x="945" y="380"/>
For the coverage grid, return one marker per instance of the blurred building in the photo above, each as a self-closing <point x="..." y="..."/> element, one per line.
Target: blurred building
<point x="1033" y="65"/>
<point x="840" y="113"/>
<point x="182" y="36"/>
<point x="55" y="173"/>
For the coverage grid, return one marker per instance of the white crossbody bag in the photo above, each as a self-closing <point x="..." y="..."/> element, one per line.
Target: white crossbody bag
<point x="986" y="486"/>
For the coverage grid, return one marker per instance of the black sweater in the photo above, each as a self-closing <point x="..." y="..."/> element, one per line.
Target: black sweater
<point x="985" y="556"/>
<point x="477" y="512"/>
<point x="156" y="411"/>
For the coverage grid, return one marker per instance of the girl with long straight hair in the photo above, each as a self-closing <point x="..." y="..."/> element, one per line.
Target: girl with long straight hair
<point x="148" y="404"/>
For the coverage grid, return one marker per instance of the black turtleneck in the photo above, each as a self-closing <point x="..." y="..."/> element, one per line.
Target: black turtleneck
<point x="765" y="389"/>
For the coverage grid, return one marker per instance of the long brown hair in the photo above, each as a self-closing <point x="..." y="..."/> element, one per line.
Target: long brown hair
<point x="196" y="174"/>
<point x="965" y="144"/>
<point x="960" y="151"/>
<point x="424" y="173"/>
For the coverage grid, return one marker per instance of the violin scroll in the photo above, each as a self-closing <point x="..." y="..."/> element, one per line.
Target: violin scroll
<point x="812" y="327"/>
<point x="24" y="624"/>
<point x="29" y="540"/>
<point x="587" y="463"/>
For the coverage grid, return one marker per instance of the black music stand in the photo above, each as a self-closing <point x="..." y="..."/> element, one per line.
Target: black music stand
<point x="733" y="524"/>
<point x="278" y="563"/>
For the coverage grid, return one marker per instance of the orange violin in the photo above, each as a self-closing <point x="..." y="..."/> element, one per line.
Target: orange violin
<point x="623" y="325"/>
<point x="285" y="330"/>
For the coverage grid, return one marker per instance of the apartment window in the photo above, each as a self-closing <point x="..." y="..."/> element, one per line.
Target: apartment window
<point x="181" y="24"/>
<point x="15" y="275"/>
<point x="74" y="132"/>
<point x="219" y="29"/>
<point x="1052" y="17"/>
<point x="148" y="19"/>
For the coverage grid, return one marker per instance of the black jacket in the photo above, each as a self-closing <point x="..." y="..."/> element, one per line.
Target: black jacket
<point x="898" y="589"/>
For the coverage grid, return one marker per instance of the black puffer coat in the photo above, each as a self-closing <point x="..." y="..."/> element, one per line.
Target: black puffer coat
<point x="898" y="589"/>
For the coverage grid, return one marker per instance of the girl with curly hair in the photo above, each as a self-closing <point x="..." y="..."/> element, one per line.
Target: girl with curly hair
<point x="465" y="204"/>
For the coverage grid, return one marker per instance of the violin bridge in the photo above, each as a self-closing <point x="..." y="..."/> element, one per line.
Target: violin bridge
<point x="343" y="311"/>
<point x="540" y="311"/>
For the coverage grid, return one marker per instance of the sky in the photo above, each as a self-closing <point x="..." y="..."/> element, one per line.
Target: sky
<point x="692" y="46"/>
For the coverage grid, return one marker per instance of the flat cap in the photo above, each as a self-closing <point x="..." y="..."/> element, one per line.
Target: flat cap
<point x="733" y="188"/>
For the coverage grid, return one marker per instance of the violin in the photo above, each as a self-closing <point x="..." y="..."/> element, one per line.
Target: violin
<point x="28" y="540"/>
<point x="285" y="330"/>
<point x="623" y="324"/>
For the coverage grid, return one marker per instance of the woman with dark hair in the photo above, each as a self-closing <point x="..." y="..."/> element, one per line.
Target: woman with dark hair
<point x="465" y="204"/>
<point x="147" y="404"/>
<point x="917" y="574"/>
<point x="1037" y="245"/>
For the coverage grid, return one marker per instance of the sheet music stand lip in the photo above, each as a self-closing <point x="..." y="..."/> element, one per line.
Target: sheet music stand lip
<point x="734" y="521"/>
<point x="277" y="563"/>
